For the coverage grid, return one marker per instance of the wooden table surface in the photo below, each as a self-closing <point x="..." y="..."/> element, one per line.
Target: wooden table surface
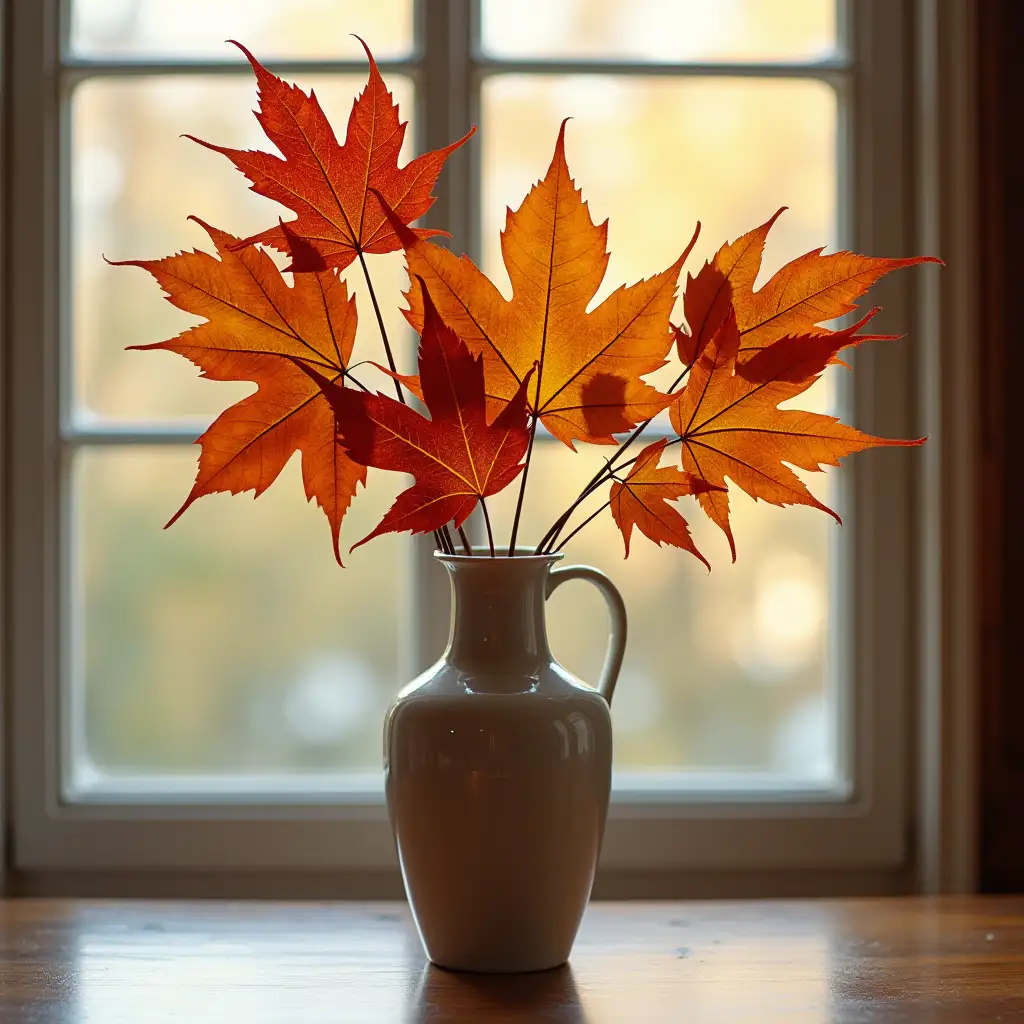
<point x="846" y="960"/>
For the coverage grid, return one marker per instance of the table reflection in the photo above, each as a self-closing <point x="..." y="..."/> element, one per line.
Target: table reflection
<point x="451" y="996"/>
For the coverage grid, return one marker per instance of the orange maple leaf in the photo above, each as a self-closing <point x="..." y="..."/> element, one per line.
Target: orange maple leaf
<point x="255" y="326"/>
<point x="730" y="426"/>
<point x="590" y="364"/>
<point x="326" y="183"/>
<point x="456" y="457"/>
<point x="643" y="500"/>
<point x="805" y="293"/>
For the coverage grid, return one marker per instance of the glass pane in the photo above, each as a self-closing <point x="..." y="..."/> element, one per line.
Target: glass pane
<point x="654" y="156"/>
<point x="723" y="672"/>
<point x="231" y="642"/>
<point x="134" y="183"/>
<point x="661" y="30"/>
<point x="727" y="672"/>
<point x="281" y="29"/>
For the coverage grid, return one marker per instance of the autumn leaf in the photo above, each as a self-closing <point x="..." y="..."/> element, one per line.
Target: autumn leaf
<point x="455" y="456"/>
<point x="800" y="357"/>
<point x="644" y="499"/>
<point x="730" y="426"/>
<point x="686" y="345"/>
<point x="255" y="326"/>
<point x="325" y="183"/>
<point x="804" y="294"/>
<point x="588" y="384"/>
<point x="707" y="300"/>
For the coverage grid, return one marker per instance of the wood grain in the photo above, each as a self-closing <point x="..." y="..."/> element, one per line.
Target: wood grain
<point x="856" y="960"/>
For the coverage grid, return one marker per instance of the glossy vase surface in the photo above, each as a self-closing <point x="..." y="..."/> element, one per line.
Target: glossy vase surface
<point x="498" y="770"/>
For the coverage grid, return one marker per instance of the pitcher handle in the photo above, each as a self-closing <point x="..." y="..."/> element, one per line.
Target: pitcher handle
<point x="617" y="611"/>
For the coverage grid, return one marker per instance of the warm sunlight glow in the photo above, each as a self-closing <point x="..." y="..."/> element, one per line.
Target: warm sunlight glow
<point x="232" y="643"/>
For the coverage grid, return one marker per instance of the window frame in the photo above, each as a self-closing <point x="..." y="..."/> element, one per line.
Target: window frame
<point x="866" y="828"/>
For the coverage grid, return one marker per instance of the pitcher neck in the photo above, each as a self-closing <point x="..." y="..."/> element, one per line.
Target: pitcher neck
<point x="498" y="621"/>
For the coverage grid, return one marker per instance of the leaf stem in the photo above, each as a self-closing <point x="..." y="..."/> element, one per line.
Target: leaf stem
<point x="380" y="324"/>
<point x="605" y="473"/>
<point x="441" y="537"/>
<point x="348" y="375"/>
<point x="589" y="519"/>
<point x="526" y="473"/>
<point x="594" y="482"/>
<point x="487" y="523"/>
<point x="448" y="542"/>
<point x="467" y="547"/>
<point x="675" y="440"/>
<point x="610" y="474"/>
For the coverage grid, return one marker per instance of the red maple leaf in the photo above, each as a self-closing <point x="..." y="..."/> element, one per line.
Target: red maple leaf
<point x="456" y="457"/>
<point x="797" y="299"/>
<point x="325" y="183"/>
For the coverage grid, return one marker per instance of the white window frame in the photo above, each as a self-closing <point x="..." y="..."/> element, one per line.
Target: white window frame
<point x="865" y="828"/>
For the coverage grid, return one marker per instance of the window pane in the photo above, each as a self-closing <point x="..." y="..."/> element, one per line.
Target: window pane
<point x="282" y="29"/>
<point x="661" y="30"/>
<point x="231" y="642"/>
<point x="134" y="183"/>
<point x="726" y="672"/>
<point x="654" y="156"/>
<point x="723" y="672"/>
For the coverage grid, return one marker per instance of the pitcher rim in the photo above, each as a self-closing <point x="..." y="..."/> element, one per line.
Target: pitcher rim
<point x="482" y="555"/>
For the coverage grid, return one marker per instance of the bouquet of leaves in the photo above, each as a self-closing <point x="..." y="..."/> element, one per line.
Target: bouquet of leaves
<point x="492" y="371"/>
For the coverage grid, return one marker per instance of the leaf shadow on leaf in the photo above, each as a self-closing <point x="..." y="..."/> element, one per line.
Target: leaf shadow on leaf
<point x="603" y="399"/>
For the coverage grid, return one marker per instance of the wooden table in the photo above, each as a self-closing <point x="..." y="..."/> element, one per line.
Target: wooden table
<point x="850" y="960"/>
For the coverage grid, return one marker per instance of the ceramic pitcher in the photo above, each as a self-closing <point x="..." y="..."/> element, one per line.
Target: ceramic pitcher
<point x="498" y="770"/>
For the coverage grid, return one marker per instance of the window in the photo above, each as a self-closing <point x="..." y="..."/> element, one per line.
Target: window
<point x="212" y="696"/>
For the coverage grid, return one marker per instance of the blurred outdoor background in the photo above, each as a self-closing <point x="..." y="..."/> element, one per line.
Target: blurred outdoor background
<point x="232" y="642"/>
